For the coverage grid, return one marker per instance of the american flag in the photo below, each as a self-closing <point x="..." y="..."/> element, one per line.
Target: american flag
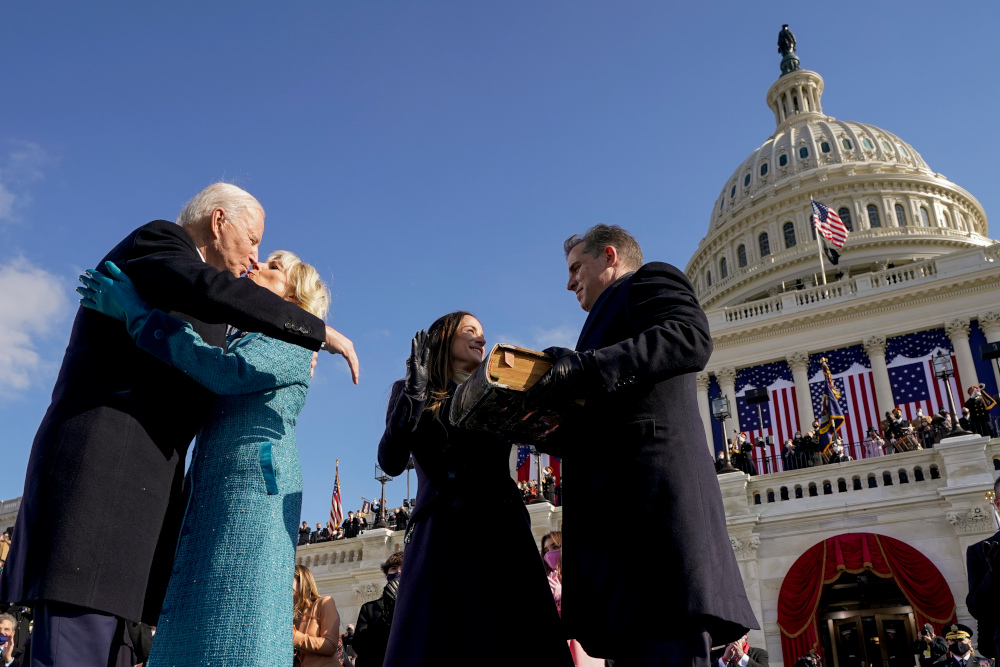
<point x="336" y="507"/>
<point x="829" y="224"/>
<point x="779" y="415"/>
<point x="911" y="372"/>
<point x="527" y="462"/>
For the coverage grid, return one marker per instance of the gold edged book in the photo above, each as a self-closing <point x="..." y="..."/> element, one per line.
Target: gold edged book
<point x="492" y="399"/>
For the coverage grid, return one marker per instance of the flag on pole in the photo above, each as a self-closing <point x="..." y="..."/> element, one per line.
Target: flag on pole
<point x="336" y="507"/>
<point x="832" y="416"/>
<point x="829" y="224"/>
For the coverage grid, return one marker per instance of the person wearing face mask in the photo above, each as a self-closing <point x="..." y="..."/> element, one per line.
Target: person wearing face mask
<point x="960" y="651"/>
<point x="982" y="562"/>
<point x="979" y="405"/>
<point x="839" y="455"/>
<point x="480" y="594"/>
<point x="929" y="647"/>
<point x="552" y="559"/>
<point x="874" y="444"/>
<point x="371" y="634"/>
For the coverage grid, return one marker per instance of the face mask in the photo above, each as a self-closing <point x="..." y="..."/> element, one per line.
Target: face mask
<point x="960" y="648"/>
<point x="838" y="449"/>
<point x="392" y="577"/>
<point x="551" y="558"/>
<point x="3" y="639"/>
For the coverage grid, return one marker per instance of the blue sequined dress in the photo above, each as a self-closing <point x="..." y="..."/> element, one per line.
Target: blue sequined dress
<point x="229" y="601"/>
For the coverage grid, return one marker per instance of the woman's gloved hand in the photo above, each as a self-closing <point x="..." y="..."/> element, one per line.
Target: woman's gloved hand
<point x="115" y="297"/>
<point x="416" y="381"/>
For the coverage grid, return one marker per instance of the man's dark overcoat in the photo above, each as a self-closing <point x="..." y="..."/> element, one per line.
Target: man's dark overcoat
<point x="641" y="431"/>
<point x="983" y="597"/>
<point x="103" y="498"/>
<point x="371" y="635"/>
<point x="473" y="591"/>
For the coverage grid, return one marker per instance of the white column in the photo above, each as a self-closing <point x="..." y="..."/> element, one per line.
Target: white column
<point x="798" y="362"/>
<point x="727" y="382"/>
<point x="989" y="322"/>
<point x="705" y="409"/>
<point x="958" y="332"/>
<point x="875" y="349"/>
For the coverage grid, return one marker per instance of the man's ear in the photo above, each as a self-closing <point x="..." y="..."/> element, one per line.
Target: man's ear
<point x="611" y="256"/>
<point x="218" y="219"/>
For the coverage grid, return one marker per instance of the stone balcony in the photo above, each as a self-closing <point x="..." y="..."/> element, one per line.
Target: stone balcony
<point x="853" y="292"/>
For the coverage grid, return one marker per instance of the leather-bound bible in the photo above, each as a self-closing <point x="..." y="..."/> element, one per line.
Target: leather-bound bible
<point x="492" y="399"/>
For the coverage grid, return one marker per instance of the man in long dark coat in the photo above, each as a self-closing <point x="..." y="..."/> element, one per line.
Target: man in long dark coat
<point x="982" y="561"/>
<point x="644" y="339"/>
<point x="103" y="500"/>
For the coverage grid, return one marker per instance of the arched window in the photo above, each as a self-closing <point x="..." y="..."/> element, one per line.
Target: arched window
<point x="722" y="202"/>
<point x="845" y="217"/>
<point x="741" y="255"/>
<point x="902" y="151"/>
<point x="765" y="247"/>
<point x="746" y="180"/>
<point x="708" y="277"/>
<point x="789" y="231"/>
<point x="825" y="147"/>
<point x="847" y="144"/>
<point x="900" y="215"/>
<point x="873" y="220"/>
<point x="782" y="160"/>
<point x="723" y="269"/>
<point x="867" y="144"/>
<point x="804" y="152"/>
<point x="886" y="146"/>
<point x="763" y="169"/>
<point x="732" y="193"/>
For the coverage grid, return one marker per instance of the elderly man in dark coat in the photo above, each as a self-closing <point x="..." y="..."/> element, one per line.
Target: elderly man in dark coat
<point x="103" y="501"/>
<point x="644" y="339"/>
<point x="982" y="561"/>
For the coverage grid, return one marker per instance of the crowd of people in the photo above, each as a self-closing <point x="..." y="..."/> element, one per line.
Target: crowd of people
<point x="354" y="524"/>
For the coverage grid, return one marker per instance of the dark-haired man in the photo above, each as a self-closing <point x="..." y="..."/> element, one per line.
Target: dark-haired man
<point x="371" y="637"/>
<point x="982" y="561"/>
<point x="635" y="362"/>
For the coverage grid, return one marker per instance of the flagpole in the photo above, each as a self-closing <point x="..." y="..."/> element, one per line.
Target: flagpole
<point x="819" y="241"/>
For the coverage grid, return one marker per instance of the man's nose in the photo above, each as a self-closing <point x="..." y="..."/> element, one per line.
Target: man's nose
<point x="571" y="285"/>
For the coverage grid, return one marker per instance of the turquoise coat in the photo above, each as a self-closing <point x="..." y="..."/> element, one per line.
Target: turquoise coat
<point x="229" y="601"/>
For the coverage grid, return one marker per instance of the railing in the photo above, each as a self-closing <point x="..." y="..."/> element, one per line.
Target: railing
<point x="837" y="290"/>
<point x="753" y="309"/>
<point x="904" y="274"/>
<point x="10" y="506"/>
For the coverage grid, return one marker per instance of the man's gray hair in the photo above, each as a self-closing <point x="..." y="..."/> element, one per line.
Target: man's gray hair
<point x="599" y="237"/>
<point x="230" y="198"/>
<point x="8" y="617"/>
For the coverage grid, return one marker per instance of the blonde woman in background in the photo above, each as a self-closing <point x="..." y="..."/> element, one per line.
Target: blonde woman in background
<point x="227" y="602"/>
<point x="317" y="623"/>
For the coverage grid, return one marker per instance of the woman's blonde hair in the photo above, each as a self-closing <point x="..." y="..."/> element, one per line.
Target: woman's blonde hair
<point x="307" y="592"/>
<point x="305" y="287"/>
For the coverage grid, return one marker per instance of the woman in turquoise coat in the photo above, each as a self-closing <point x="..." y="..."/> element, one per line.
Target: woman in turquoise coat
<point x="229" y="600"/>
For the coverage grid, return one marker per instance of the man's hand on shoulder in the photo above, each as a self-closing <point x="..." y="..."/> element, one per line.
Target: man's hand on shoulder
<point x="338" y="343"/>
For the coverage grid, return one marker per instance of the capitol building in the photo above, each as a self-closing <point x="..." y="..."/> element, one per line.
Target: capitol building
<point x="846" y="559"/>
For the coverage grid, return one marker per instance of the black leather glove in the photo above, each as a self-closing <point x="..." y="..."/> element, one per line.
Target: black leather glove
<point x="389" y="601"/>
<point x="416" y="381"/>
<point x="992" y="552"/>
<point x="572" y="376"/>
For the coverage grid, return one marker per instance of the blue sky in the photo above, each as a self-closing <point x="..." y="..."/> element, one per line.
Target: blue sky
<point x="426" y="156"/>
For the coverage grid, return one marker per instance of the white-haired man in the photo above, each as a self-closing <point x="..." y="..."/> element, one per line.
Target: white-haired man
<point x="103" y="501"/>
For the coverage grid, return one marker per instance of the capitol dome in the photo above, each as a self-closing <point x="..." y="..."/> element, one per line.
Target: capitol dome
<point x="760" y="240"/>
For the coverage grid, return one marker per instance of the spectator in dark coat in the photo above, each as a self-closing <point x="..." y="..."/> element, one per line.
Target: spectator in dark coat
<point x="929" y="647"/>
<point x="475" y="595"/>
<point x="371" y="637"/>
<point x="644" y="339"/>
<point x="739" y="654"/>
<point x="351" y="526"/>
<point x="304" y="533"/>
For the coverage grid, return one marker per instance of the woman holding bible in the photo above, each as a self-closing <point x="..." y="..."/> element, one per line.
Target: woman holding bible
<point x="472" y="593"/>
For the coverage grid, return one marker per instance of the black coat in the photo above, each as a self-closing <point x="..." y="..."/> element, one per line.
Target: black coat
<point x="640" y="428"/>
<point x="984" y="592"/>
<point x="371" y="635"/>
<point x="478" y="594"/>
<point x="103" y="499"/>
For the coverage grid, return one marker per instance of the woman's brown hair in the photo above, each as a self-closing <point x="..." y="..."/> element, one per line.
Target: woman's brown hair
<point x="439" y="372"/>
<point x="307" y="592"/>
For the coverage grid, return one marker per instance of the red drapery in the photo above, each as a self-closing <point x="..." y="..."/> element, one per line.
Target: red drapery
<point x="918" y="579"/>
